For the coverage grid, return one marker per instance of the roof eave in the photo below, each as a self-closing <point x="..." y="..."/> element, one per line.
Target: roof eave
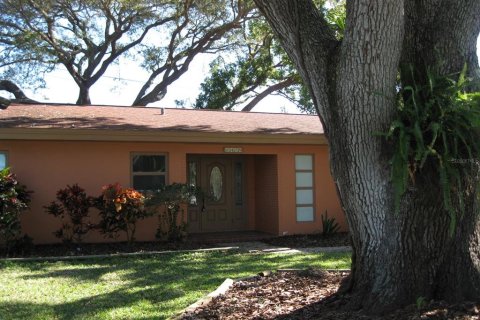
<point x="159" y="136"/>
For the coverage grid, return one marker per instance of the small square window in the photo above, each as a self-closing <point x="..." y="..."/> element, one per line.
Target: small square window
<point x="304" y="179"/>
<point x="304" y="214"/>
<point x="304" y="196"/>
<point x="303" y="162"/>
<point x="148" y="171"/>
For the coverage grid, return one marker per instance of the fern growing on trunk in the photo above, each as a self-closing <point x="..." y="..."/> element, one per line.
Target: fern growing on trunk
<point x="437" y="124"/>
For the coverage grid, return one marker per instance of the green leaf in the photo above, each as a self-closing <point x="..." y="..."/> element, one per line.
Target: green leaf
<point x="418" y="141"/>
<point x="437" y="122"/>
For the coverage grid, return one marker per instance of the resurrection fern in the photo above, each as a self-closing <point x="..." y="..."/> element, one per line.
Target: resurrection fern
<point x="437" y="123"/>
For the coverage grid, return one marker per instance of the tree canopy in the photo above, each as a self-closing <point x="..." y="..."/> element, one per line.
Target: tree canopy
<point x="88" y="36"/>
<point x="163" y="37"/>
<point x="261" y="67"/>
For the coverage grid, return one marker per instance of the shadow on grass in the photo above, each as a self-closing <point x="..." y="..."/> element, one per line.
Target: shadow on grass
<point x="154" y="287"/>
<point x="84" y="274"/>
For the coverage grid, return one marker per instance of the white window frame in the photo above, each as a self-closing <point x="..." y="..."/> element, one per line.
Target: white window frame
<point x="302" y="206"/>
<point x="133" y="174"/>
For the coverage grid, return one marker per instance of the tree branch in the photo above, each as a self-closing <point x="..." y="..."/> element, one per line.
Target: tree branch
<point x="115" y="54"/>
<point x="273" y="88"/>
<point x="4" y="103"/>
<point x="11" y="87"/>
<point x="173" y="70"/>
<point x="308" y="40"/>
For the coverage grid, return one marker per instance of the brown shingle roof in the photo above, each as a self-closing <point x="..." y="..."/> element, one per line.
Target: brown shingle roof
<point x="155" y="119"/>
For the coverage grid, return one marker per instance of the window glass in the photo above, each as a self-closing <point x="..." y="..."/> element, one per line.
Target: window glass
<point x="148" y="182"/>
<point x="192" y="173"/>
<point x="216" y="183"/>
<point x="303" y="162"/>
<point x="148" y="163"/>
<point x="238" y="183"/>
<point x="304" y="191"/>
<point x="304" y="214"/>
<point x="305" y="196"/>
<point x="148" y="171"/>
<point x="3" y="160"/>
<point x="304" y="179"/>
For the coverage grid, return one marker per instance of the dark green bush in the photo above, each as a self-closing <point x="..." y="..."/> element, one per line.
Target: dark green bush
<point x="169" y="199"/>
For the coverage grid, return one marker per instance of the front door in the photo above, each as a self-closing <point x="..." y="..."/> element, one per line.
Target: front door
<point x="222" y="179"/>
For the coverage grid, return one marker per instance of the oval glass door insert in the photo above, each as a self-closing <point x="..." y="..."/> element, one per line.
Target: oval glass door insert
<point x="216" y="183"/>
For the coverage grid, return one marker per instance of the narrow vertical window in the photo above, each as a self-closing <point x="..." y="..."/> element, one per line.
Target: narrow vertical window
<point x="238" y="183"/>
<point x="192" y="179"/>
<point x="3" y="160"/>
<point x="305" y="209"/>
<point x="192" y="173"/>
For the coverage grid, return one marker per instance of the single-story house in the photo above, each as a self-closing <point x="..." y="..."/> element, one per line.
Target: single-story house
<point x="265" y="172"/>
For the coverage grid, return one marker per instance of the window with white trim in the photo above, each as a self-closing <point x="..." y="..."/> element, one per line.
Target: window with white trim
<point x="3" y="160"/>
<point x="149" y="171"/>
<point x="305" y="209"/>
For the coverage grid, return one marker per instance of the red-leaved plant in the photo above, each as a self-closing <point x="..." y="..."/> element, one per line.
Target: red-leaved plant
<point x="120" y="209"/>
<point x="72" y="207"/>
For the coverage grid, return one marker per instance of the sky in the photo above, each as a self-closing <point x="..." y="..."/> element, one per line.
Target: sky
<point x="109" y="90"/>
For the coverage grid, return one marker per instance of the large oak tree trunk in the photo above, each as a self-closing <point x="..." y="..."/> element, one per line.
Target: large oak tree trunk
<point x="441" y="36"/>
<point x="397" y="257"/>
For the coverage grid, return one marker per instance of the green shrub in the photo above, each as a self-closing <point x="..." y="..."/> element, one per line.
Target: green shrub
<point x="120" y="209"/>
<point x="329" y="225"/>
<point x="169" y="198"/>
<point x="14" y="199"/>
<point x="72" y="207"/>
<point x="21" y="245"/>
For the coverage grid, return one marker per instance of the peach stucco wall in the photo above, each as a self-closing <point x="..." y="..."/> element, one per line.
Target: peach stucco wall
<point x="266" y="193"/>
<point x="46" y="166"/>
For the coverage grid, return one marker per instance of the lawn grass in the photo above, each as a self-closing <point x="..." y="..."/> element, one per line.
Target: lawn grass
<point x="153" y="287"/>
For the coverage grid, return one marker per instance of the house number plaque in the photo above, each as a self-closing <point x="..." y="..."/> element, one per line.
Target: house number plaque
<point x="232" y="150"/>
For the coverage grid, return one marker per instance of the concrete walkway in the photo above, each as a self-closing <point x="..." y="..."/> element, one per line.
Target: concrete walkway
<point x="261" y="247"/>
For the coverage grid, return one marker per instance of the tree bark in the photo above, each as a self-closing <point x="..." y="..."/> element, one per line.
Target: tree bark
<point x="4" y="103"/>
<point x="397" y="257"/>
<point x="441" y="37"/>
<point x="84" y="95"/>
<point x="11" y="87"/>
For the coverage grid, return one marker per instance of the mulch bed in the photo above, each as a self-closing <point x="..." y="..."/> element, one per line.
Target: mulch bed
<point x="311" y="240"/>
<point x="304" y="295"/>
